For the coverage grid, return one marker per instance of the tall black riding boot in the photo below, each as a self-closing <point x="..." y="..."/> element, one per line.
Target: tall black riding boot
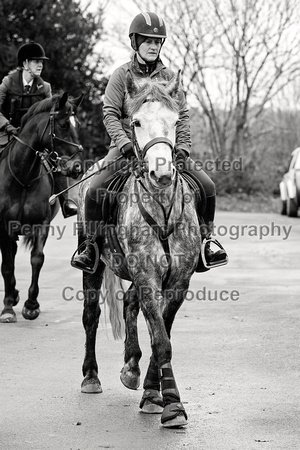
<point x="208" y="257"/>
<point x="68" y="206"/>
<point x="87" y="259"/>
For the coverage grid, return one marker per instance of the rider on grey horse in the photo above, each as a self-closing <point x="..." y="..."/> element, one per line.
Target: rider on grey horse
<point x="147" y="34"/>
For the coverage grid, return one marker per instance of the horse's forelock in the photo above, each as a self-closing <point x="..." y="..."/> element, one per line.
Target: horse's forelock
<point x="152" y="91"/>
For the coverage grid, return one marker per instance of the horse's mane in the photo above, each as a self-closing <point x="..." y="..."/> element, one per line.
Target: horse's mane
<point x="39" y="107"/>
<point x="155" y="92"/>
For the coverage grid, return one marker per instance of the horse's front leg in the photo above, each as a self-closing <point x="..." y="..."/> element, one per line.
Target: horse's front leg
<point x="152" y="402"/>
<point x="31" y="309"/>
<point x="90" y="319"/>
<point x="11" y="297"/>
<point x="174" y="414"/>
<point x="130" y="373"/>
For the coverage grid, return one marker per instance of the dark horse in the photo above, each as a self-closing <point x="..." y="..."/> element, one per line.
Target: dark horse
<point x="159" y="235"/>
<point x="30" y="168"/>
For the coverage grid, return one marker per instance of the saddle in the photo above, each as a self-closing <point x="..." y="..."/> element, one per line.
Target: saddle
<point x="111" y="189"/>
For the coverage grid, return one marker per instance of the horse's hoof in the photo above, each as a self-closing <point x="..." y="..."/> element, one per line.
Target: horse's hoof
<point x="174" y="416"/>
<point x="30" y="314"/>
<point x="91" y="386"/>
<point x="151" y="408"/>
<point x="152" y="402"/>
<point x="130" y="379"/>
<point x="8" y="317"/>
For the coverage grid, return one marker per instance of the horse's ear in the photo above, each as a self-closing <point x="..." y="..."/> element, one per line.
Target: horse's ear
<point x="63" y="100"/>
<point x="77" y="101"/>
<point x="173" y="87"/>
<point x="131" y="86"/>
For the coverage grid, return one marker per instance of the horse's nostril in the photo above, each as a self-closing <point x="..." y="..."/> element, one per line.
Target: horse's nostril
<point x="162" y="180"/>
<point x="165" y="180"/>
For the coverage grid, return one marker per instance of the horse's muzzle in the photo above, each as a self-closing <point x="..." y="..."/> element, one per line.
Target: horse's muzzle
<point x="161" y="180"/>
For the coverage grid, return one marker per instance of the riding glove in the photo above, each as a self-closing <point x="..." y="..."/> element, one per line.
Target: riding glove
<point x="127" y="151"/>
<point x="11" y="130"/>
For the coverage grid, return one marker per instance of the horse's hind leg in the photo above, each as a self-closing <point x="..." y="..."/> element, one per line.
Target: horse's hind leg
<point x="90" y="319"/>
<point x="31" y="309"/>
<point x="9" y="249"/>
<point x="130" y="373"/>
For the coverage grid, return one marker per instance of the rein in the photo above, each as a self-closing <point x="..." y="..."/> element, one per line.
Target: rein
<point x="165" y="231"/>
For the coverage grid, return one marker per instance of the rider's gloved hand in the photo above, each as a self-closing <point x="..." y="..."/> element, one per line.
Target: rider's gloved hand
<point x="127" y="151"/>
<point x="181" y="156"/>
<point x="11" y="130"/>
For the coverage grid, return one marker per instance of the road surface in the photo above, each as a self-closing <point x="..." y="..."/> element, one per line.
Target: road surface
<point x="235" y="353"/>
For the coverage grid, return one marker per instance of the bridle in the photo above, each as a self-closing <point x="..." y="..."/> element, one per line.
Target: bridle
<point x="162" y="232"/>
<point x="141" y="153"/>
<point x="53" y="136"/>
<point x="50" y="158"/>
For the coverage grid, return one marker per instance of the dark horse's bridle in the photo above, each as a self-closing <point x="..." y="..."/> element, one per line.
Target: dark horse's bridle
<point x="49" y="158"/>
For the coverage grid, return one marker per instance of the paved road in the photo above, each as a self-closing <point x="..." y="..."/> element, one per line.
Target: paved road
<point x="235" y="344"/>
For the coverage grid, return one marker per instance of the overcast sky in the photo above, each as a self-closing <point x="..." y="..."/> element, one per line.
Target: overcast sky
<point x="118" y="15"/>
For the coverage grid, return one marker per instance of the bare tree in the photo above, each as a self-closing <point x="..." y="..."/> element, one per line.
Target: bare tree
<point x="235" y="57"/>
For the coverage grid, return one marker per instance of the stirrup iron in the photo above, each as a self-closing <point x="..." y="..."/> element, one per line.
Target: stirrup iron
<point x="204" y="243"/>
<point x="97" y="255"/>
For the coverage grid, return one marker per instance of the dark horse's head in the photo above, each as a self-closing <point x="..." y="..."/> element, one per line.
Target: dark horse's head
<point x="154" y="110"/>
<point x="51" y="124"/>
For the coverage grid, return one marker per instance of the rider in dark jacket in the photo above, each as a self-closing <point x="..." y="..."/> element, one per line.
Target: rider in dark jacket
<point x="147" y="34"/>
<point x="20" y="89"/>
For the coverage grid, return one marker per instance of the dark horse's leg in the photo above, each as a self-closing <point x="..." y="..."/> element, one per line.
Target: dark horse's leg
<point x="130" y="374"/>
<point x="8" y="247"/>
<point x="31" y="309"/>
<point x="160" y="367"/>
<point x="90" y="319"/>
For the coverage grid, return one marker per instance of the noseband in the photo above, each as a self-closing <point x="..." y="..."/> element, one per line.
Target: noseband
<point x="141" y="153"/>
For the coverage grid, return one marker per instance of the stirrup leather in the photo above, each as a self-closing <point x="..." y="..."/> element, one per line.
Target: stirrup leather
<point x="97" y="255"/>
<point x="206" y="264"/>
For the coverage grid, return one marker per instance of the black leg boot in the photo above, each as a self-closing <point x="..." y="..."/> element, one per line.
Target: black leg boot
<point x="88" y="258"/>
<point x="208" y="257"/>
<point x="68" y="206"/>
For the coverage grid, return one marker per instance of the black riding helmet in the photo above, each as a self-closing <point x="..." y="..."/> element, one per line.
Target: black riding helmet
<point x="30" y="51"/>
<point x="147" y="24"/>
